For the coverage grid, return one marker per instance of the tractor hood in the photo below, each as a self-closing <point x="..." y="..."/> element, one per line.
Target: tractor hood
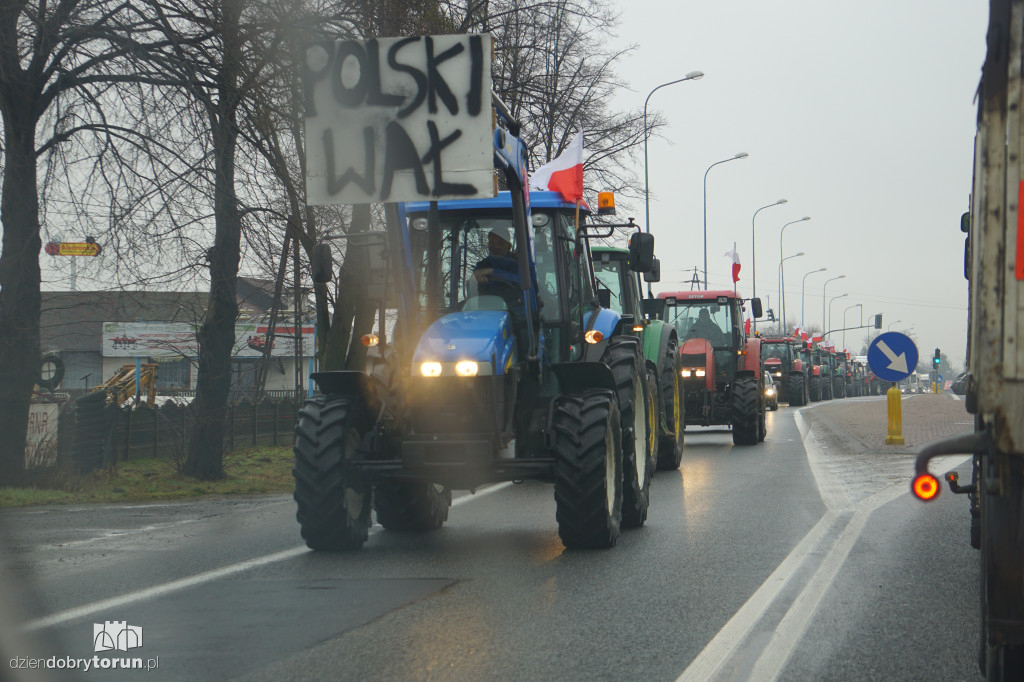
<point x="480" y="336"/>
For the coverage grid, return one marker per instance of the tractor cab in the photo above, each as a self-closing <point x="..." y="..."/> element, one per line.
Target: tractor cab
<point x="713" y="317"/>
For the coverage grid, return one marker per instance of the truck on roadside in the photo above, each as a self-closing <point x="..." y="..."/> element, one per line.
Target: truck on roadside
<point x="994" y="269"/>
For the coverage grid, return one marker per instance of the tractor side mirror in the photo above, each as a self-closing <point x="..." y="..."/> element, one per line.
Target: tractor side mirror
<point x="965" y="222"/>
<point x="654" y="274"/>
<point x="641" y="252"/>
<point x="755" y="307"/>
<point x="322" y="263"/>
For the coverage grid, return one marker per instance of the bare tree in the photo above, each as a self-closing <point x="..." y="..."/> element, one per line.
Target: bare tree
<point x="58" y="63"/>
<point x="554" y="69"/>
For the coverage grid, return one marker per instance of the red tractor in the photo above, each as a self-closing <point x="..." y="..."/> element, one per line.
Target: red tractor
<point x="722" y="376"/>
<point x="787" y="359"/>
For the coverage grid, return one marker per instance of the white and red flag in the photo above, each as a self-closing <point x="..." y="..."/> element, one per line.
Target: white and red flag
<point x="564" y="173"/>
<point x="735" y="263"/>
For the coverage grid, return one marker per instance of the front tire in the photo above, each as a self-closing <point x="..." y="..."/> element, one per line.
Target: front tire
<point x="626" y="361"/>
<point x="333" y="502"/>
<point x="588" y="469"/>
<point x="670" y="448"/>
<point x="745" y="414"/>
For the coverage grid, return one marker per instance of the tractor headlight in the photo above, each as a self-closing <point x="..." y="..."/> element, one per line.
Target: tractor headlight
<point x="778" y="374"/>
<point x="686" y="373"/>
<point x="701" y="373"/>
<point x="467" y="368"/>
<point x="430" y="369"/>
<point x="769" y="391"/>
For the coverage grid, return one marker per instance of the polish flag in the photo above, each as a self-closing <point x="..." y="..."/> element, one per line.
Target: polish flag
<point x="746" y="326"/>
<point x="564" y="173"/>
<point x="796" y="332"/>
<point x="735" y="263"/>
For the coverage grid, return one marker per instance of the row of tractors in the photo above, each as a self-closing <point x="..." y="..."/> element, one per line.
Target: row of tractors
<point x="807" y="372"/>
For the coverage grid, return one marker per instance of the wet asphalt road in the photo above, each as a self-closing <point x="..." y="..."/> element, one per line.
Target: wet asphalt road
<point x="788" y="561"/>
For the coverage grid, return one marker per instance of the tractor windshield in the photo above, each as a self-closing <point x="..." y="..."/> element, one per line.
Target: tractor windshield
<point x="479" y="268"/>
<point x="782" y="351"/>
<point x="609" y="275"/>
<point x="702" y="319"/>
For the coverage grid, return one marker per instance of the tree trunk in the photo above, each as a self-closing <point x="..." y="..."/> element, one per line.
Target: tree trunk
<point x="217" y="335"/>
<point x="20" y="299"/>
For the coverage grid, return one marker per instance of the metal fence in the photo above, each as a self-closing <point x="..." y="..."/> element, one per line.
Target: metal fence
<point x="95" y="435"/>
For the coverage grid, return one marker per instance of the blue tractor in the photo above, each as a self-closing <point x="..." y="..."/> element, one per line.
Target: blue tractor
<point x="497" y="364"/>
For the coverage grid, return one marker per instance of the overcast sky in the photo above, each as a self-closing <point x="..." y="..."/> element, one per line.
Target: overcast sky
<point x="861" y="115"/>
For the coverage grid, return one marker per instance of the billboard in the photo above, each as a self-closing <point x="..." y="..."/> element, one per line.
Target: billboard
<point x="178" y="339"/>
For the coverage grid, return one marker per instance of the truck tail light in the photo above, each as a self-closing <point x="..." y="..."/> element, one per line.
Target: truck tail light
<point x="926" y="487"/>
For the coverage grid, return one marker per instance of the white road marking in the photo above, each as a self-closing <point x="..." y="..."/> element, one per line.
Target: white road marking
<point x="200" y="578"/>
<point x="724" y="644"/>
<point x="794" y="624"/>
<point x="789" y="632"/>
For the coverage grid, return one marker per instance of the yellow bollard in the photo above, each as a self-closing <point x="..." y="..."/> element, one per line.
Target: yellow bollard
<point x="895" y="436"/>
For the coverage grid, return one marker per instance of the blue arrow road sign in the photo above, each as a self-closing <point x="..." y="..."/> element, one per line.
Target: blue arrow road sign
<point x="892" y="356"/>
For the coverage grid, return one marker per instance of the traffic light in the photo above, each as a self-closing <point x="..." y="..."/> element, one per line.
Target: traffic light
<point x="878" y="321"/>
<point x="771" y="315"/>
<point x="937" y="358"/>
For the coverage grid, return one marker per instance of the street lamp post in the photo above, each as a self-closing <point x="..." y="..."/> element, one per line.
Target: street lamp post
<point x="782" y="272"/>
<point x="824" y="328"/>
<point x="803" y="288"/>
<point x="692" y="76"/>
<point x="741" y="155"/>
<point x="859" y="305"/>
<point x="782" y="300"/>
<point x="891" y="324"/>
<point x="753" y="249"/>
<point x="829" y="327"/>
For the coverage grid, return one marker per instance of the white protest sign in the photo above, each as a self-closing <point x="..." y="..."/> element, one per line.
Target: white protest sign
<point x="399" y="119"/>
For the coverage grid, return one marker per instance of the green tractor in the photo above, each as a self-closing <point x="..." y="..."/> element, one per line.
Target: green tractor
<point x="619" y="280"/>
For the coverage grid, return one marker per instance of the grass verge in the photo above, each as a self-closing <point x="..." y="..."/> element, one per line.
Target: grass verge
<point x="249" y="471"/>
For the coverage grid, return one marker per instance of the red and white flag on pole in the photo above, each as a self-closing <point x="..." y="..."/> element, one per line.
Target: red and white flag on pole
<point x="564" y="173"/>
<point x="735" y="263"/>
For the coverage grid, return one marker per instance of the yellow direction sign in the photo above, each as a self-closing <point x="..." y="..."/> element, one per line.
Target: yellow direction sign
<point x="73" y="248"/>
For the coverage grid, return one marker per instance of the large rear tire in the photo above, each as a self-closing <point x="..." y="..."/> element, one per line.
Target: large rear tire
<point x="333" y="501"/>
<point x="815" y="391"/>
<point x="795" y="392"/>
<point x="588" y="469"/>
<point x="624" y="358"/>
<point x="745" y="413"/>
<point x="670" y="447"/>
<point x="411" y="505"/>
<point x="839" y="387"/>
